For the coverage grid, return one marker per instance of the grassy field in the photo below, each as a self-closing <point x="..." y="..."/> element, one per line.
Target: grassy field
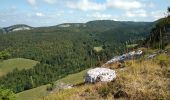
<point x="7" y="66"/>
<point x="39" y="92"/>
<point x="74" y="78"/>
<point x="32" y="94"/>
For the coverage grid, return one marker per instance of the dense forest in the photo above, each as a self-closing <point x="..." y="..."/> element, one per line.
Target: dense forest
<point x="65" y="50"/>
<point x="159" y="36"/>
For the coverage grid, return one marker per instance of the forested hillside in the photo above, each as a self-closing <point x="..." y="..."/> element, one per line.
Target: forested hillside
<point x="141" y="78"/>
<point x="62" y="50"/>
<point x="160" y="35"/>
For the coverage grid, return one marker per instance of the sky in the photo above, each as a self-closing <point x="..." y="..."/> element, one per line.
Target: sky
<point x="52" y="12"/>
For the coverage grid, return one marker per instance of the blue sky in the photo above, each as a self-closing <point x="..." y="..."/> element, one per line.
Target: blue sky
<point x="53" y="12"/>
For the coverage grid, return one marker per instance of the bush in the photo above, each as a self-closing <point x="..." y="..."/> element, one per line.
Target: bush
<point x="6" y="94"/>
<point x="4" y="55"/>
<point x="51" y="87"/>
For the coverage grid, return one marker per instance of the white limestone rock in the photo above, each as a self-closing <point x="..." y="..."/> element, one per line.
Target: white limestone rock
<point x="21" y="28"/>
<point x="100" y="74"/>
<point x="126" y="56"/>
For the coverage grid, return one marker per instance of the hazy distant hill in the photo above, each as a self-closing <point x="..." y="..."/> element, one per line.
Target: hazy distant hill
<point x="14" y="28"/>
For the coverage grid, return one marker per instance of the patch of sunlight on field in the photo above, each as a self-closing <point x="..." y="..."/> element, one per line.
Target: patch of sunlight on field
<point x="9" y="65"/>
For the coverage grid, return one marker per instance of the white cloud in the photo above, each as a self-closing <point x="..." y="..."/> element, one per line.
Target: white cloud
<point x="100" y="16"/>
<point x="85" y="5"/>
<point x="151" y="5"/>
<point x="120" y="4"/>
<point x="136" y="13"/>
<point x="32" y="2"/>
<point x="124" y="4"/>
<point x="50" y="1"/>
<point x="39" y="14"/>
<point x="47" y="15"/>
<point x="158" y="14"/>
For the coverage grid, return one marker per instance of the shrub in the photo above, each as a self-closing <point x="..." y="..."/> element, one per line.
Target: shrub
<point x="6" y="94"/>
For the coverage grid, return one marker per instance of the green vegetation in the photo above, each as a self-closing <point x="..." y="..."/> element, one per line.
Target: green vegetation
<point x="33" y="94"/>
<point x="168" y="47"/>
<point x="74" y="79"/>
<point x="4" y="55"/>
<point x="160" y="33"/>
<point x="40" y="92"/>
<point x="9" y="65"/>
<point x="66" y="50"/>
<point x="6" y="94"/>
<point x="168" y="11"/>
<point x="61" y="51"/>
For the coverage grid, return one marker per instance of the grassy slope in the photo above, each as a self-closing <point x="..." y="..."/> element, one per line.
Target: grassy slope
<point x="39" y="92"/>
<point x="74" y="78"/>
<point x="141" y="80"/>
<point x="7" y="66"/>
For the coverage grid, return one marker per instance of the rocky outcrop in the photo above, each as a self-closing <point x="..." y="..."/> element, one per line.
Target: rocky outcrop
<point x="100" y="74"/>
<point x="15" y="28"/>
<point x="104" y="74"/>
<point x="59" y="86"/>
<point x="124" y="57"/>
<point x="154" y="54"/>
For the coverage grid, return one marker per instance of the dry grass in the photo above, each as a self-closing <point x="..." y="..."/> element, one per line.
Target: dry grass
<point x="139" y="80"/>
<point x="68" y="94"/>
<point x="145" y="80"/>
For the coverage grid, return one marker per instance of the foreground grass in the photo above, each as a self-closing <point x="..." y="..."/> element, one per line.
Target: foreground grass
<point x="32" y="94"/>
<point x="40" y="92"/>
<point x="7" y="66"/>
<point x="69" y="94"/>
<point x="139" y="80"/>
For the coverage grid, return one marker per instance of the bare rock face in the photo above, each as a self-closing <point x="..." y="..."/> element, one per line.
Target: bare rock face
<point x="124" y="57"/>
<point x="100" y="74"/>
